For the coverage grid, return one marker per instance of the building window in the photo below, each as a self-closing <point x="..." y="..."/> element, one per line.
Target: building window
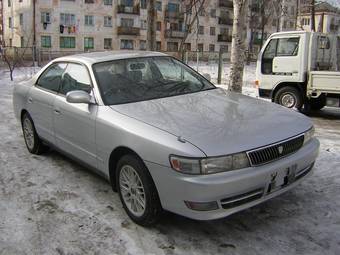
<point x="107" y="21"/>
<point x="89" y="20"/>
<point x="224" y="48"/>
<point x="159" y="6"/>
<point x="46" y="41"/>
<point x="67" y="19"/>
<point x="126" y="44"/>
<point x="126" y="22"/>
<point x="9" y="3"/>
<point x="213" y="13"/>
<point x="200" y="47"/>
<point x="67" y="42"/>
<point x="211" y="47"/>
<point x="88" y="43"/>
<point x="127" y="2"/>
<point x="172" y="7"/>
<point x="201" y="12"/>
<point x="21" y="19"/>
<point x="172" y="46"/>
<point x="22" y="42"/>
<point x="159" y="26"/>
<point x="212" y="31"/>
<point x="143" y="4"/>
<point x="107" y="43"/>
<point x="89" y="1"/>
<point x="10" y="22"/>
<point x="107" y="2"/>
<point x="201" y="30"/>
<point x="45" y="17"/>
<point x="187" y="46"/>
<point x="143" y="24"/>
<point x="10" y="42"/>
<point x="142" y="45"/>
<point x="158" y="46"/>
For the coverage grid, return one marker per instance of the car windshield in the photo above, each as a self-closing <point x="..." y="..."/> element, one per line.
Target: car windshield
<point x="140" y="79"/>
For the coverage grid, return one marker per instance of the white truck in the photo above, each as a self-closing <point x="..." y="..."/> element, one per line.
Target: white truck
<point x="300" y="70"/>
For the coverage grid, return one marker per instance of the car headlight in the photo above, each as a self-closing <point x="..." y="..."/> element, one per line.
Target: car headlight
<point x="209" y="165"/>
<point x="308" y="135"/>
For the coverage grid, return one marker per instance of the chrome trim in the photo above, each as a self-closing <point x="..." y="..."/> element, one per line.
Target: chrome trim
<point x="260" y="192"/>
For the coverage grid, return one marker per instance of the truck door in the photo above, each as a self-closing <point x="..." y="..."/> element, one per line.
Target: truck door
<point x="281" y="61"/>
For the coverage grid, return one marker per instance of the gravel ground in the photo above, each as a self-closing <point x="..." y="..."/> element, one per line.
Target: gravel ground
<point x="51" y="205"/>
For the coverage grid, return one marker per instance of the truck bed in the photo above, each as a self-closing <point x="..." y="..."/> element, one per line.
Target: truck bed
<point x="324" y="82"/>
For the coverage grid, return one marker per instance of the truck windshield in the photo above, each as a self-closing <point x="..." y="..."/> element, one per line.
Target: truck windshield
<point x="139" y="79"/>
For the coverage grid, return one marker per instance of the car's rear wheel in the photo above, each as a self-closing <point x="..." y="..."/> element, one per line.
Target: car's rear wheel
<point x="32" y="140"/>
<point x="137" y="191"/>
<point x="289" y="97"/>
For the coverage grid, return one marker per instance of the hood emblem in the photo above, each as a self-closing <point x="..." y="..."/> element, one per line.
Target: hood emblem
<point x="280" y="149"/>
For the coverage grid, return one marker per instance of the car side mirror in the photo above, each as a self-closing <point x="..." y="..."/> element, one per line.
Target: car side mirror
<point x="78" y="97"/>
<point x="207" y="76"/>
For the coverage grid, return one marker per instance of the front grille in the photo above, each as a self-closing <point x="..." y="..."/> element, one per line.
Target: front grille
<point x="273" y="152"/>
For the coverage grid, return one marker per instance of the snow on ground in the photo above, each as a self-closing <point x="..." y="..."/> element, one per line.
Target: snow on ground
<point x="51" y="205"/>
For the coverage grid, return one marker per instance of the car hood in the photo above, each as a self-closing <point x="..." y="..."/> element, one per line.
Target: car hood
<point x="219" y="122"/>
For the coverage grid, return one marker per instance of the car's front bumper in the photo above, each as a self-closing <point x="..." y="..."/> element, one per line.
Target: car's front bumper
<point x="233" y="191"/>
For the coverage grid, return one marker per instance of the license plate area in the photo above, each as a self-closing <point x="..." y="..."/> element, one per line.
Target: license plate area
<point x="281" y="178"/>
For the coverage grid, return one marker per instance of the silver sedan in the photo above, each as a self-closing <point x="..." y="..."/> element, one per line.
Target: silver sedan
<point x="163" y="135"/>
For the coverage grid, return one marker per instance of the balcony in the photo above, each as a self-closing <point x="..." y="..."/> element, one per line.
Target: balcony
<point x="128" y="9"/>
<point x="169" y="33"/>
<point x="128" y="30"/>
<point x="224" y="38"/>
<point x="225" y="21"/>
<point x="226" y="3"/>
<point x="174" y="15"/>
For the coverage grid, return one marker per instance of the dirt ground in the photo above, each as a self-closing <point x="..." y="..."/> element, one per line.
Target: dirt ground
<point x="51" y="205"/>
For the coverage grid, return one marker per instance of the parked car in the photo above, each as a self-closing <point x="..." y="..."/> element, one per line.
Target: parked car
<point x="163" y="135"/>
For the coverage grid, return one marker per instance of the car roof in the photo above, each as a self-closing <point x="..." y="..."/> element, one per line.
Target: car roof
<point x="96" y="57"/>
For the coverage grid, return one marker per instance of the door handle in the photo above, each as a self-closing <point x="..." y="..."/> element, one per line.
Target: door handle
<point x="295" y="71"/>
<point x="56" y="111"/>
<point x="30" y="100"/>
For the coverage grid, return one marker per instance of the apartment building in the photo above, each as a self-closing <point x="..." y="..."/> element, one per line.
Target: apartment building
<point x="81" y="25"/>
<point x="327" y="17"/>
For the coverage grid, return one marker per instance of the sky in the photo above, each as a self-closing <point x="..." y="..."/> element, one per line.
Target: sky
<point x="334" y="2"/>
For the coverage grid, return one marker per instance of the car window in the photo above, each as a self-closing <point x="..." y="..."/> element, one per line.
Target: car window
<point x="270" y="51"/>
<point x="140" y="79"/>
<point x="51" y="78"/>
<point x="76" y="77"/>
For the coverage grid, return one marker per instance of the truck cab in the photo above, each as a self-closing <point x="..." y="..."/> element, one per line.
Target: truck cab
<point x="300" y="69"/>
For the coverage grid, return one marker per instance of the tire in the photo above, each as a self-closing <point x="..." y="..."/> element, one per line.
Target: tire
<point x="289" y="97"/>
<point x="317" y="104"/>
<point x="130" y="165"/>
<point x="32" y="140"/>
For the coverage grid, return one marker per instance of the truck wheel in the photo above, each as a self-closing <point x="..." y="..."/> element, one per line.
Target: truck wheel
<point x="318" y="103"/>
<point x="289" y="97"/>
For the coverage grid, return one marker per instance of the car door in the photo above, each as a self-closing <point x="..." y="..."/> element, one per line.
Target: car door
<point x="74" y="123"/>
<point x="41" y="99"/>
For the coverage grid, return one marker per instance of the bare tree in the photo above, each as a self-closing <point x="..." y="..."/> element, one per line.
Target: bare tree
<point x="151" y="20"/>
<point x="191" y="16"/>
<point x="12" y="56"/>
<point x="237" y="45"/>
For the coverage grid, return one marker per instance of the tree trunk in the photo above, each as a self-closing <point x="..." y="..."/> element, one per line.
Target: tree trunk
<point x="151" y="34"/>
<point x="237" y="46"/>
<point x="312" y="13"/>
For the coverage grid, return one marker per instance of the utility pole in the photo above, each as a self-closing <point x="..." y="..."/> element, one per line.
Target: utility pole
<point x="151" y="34"/>
<point x="34" y="34"/>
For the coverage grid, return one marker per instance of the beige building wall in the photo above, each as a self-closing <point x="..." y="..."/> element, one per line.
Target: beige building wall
<point x="216" y="20"/>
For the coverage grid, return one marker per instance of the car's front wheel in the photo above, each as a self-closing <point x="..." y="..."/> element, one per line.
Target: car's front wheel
<point x="32" y="140"/>
<point x="137" y="191"/>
